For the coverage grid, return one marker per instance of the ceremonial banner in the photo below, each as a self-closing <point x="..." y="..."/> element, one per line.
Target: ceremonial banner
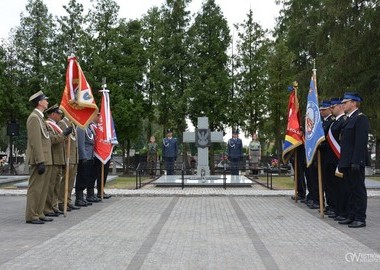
<point x="314" y="133"/>
<point x="78" y="101"/>
<point x="105" y="137"/>
<point x="294" y="136"/>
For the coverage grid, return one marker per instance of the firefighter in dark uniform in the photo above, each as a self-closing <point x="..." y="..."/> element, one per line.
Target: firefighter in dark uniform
<point x="235" y="151"/>
<point x="354" y="158"/>
<point x="169" y="151"/>
<point x="333" y="140"/>
<point x="328" y="169"/>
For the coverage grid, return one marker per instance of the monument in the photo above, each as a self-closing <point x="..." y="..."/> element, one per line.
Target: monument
<point x="203" y="137"/>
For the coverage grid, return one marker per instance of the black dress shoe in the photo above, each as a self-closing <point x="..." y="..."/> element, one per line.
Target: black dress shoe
<point x="314" y="206"/>
<point x="52" y="214"/>
<point x="73" y="207"/>
<point x="80" y="203"/>
<point x="339" y="218"/>
<point x="35" y="221"/>
<point x="87" y="202"/>
<point x="105" y="196"/>
<point x="357" y="224"/>
<point x="61" y="208"/>
<point x="59" y="212"/>
<point x="47" y="219"/>
<point x="346" y="221"/>
<point x="330" y="212"/>
<point x="332" y="216"/>
<point x="93" y="199"/>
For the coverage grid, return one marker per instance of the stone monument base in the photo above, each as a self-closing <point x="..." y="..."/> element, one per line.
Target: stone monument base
<point x="195" y="180"/>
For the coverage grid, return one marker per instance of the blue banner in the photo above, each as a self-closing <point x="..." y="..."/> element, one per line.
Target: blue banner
<point x="314" y="133"/>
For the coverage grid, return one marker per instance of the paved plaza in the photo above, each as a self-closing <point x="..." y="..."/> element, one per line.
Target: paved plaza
<point x="194" y="228"/>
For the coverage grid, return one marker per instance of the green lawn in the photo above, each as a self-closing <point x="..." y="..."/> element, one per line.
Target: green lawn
<point x="279" y="182"/>
<point x="126" y="182"/>
<point x="376" y="178"/>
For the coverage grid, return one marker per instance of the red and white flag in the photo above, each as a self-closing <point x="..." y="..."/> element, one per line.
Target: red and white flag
<point x="105" y="137"/>
<point x="78" y="102"/>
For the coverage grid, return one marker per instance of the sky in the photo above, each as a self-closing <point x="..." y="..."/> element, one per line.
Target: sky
<point x="264" y="11"/>
<point x="235" y="11"/>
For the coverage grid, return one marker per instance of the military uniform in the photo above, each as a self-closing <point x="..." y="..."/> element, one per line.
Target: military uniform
<point x="39" y="157"/>
<point x="169" y="152"/>
<point x="328" y="167"/>
<point x="73" y="165"/>
<point x="58" y="157"/>
<point x="235" y="152"/>
<point x="152" y="157"/>
<point x="353" y="159"/>
<point x="340" y="192"/>
<point x="254" y="153"/>
<point x="86" y="139"/>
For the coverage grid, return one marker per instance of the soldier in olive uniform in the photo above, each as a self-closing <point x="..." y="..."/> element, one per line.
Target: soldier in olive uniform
<point x="57" y="136"/>
<point x="152" y="155"/>
<point x="72" y="168"/>
<point x="254" y="154"/>
<point x="39" y="157"/>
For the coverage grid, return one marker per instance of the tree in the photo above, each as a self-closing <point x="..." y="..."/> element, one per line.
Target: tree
<point x="251" y="78"/>
<point x="33" y="40"/>
<point x="281" y="74"/>
<point x="173" y="63"/>
<point x="209" y="85"/>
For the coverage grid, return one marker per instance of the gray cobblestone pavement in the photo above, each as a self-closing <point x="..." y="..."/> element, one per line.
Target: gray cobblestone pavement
<point x="194" y="228"/>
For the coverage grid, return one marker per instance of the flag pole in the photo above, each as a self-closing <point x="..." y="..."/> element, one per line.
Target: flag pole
<point x="295" y="176"/>
<point x="68" y="146"/>
<point x="104" y="84"/>
<point x="321" y="210"/>
<point x="102" y="183"/>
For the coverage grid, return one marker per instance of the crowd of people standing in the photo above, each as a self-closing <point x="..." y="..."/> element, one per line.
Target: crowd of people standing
<point x="49" y="132"/>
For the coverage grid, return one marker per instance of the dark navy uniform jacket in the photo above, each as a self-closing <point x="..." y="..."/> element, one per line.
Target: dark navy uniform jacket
<point x="326" y="152"/>
<point x="354" y="140"/>
<point x="336" y="129"/>
<point x="169" y="147"/>
<point x="235" y="148"/>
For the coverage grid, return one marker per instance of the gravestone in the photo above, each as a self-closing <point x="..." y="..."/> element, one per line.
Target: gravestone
<point x="203" y="137"/>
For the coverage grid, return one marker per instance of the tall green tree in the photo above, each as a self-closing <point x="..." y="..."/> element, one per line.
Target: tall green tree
<point x="209" y="86"/>
<point x="151" y="23"/>
<point x="173" y="63"/>
<point x="281" y="74"/>
<point x="251" y="75"/>
<point x="33" y="41"/>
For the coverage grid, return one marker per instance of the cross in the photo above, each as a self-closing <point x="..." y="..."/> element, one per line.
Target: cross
<point x="202" y="137"/>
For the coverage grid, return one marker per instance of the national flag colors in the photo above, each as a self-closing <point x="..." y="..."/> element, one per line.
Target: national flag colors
<point x="105" y="137"/>
<point x="314" y="133"/>
<point x="78" y="102"/>
<point x="294" y="136"/>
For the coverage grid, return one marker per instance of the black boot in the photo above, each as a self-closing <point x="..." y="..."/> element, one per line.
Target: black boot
<point x="79" y="201"/>
<point x="91" y="196"/>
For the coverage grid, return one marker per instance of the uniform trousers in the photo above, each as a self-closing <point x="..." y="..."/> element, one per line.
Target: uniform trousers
<point x="357" y="201"/>
<point x="53" y="190"/>
<point x="72" y="173"/>
<point x="37" y="193"/>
